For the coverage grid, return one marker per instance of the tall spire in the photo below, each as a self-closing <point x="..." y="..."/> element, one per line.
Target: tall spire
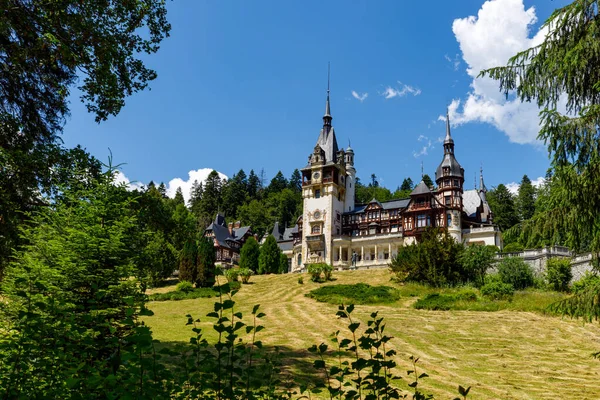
<point x="327" y="117"/>
<point x="482" y="187"/>
<point x="448" y="141"/>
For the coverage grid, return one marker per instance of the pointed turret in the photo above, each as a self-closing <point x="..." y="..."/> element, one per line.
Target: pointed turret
<point x="327" y="140"/>
<point x="449" y="167"/>
<point x="448" y="141"/>
<point x="327" y="117"/>
<point x="482" y="188"/>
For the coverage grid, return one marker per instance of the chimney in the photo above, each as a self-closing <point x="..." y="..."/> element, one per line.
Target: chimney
<point x="230" y="226"/>
<point x="237" y="225"/>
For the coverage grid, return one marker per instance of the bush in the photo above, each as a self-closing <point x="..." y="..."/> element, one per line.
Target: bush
<point x="232" y="274"/>
<point x="249" y="254"/>
<point x="245" y="274"/>
<point x="513" y="248"/>
<point x="301" y="281"/>
<point x="590" y="280"/>
<point x="184" y="286"/>
<point x="558" y="274"/>
<point x="497" y="291"/>
<point x="327" y="271"/>
<point x="315" y="271"/>
<point x="516" y="272"/>
<point x="360" y="293"/>
<point x="435" y="302"/>
<point x="476" y="260"/>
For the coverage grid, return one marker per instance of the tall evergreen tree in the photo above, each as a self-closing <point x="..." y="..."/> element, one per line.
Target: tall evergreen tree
<point x="283" y="264"/>
<point x="526" y="199"/>
<point x="162" y="189"/>
<point x="249" y="254"/>
<point x="234" y="193"/>
<point x="206" y="263"/>
<point x="211" y="197"/>
<point x="253" y="185"/>
<point x="179" y="197"/>
<point x="278" y="183"/>
<point x="503" y="207"/>
<point x="407" y="185"/>
<point x="296" y="181"/>
<point x="268" y="260"/>
<point x="188" y="269"/>
<point x="428" y="181"/>
<point x="196" y="198"/>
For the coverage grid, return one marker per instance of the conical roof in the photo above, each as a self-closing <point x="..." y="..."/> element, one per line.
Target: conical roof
<point x="421" y="188"/>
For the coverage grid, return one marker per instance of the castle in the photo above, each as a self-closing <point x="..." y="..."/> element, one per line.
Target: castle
<point x="334" y="230"/>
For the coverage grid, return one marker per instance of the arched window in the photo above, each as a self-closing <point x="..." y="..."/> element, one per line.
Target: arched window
<point x="316" y="229"/>
<point x="299" y="259"/>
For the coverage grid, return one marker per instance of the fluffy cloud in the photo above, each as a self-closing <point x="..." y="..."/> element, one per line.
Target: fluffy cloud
<point x="513" y="187"/>
<point x="359" y="97"/>
<point x="199" y="175"/>
<point x="401" y="91"/>
<point x="500" y="30"/>
<point x="428" y="145"/>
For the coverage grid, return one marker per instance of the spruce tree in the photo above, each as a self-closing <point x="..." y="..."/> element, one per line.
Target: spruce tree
<point x="278" y="183"/>
<point x="526" y="199"/>
<point x="196" y="198"/>
<point x="188" y="269"/>
<point x="283" y="264"/>
<point x="211" y="197"/>
<point x="206" y="263"/>
<point x="162" y="189"/>
<point x="249" y="254"/>
<point x="178" y="199"/>
<point x="428" y="181"/>
<point x="253" y="185"/>
<point x="407" y="185"/>
<point x="296" y="181"/>
<point x="268" y="260"/>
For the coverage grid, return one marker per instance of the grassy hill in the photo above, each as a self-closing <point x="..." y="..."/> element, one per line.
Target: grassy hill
<point x="502" y="355"/>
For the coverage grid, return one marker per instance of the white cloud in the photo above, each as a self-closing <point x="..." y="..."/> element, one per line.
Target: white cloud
<point x="425" y="149"/>
<point x="359" y="97"/>
<point x="513" y="187"/>
<point x="455" y="62"/>
<point x="401" y="91"/>
<point x="500" y="30"/>
<point x="199" y="175"/>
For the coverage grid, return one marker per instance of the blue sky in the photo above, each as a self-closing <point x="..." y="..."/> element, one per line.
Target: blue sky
<point x="242" y="85"/>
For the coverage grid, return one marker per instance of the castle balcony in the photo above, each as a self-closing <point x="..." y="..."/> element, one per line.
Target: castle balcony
<point x="316" y="242"/>
<point x="327" y="180"/>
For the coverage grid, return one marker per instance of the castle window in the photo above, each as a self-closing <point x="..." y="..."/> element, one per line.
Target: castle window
<point x="449" y="222"/>
<point x="448" y="200"/>
<point x="317" y="193"/>
<point x="456" y="182"/>
<point x="423" y="220"/>
<point x="447" y="182"/>
<point x="316" y="229"/>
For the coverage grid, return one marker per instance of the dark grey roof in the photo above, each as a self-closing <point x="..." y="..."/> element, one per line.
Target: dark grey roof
<point x="287" y="233"/>
<point x="240" y="232"/>
<point x="276" y="232"/>
<point x="220" y="220"/>
<point x="222" y="235"/>
<point x="401" y="203"/>
<point x="448" y="139"/>
<point x="449" y="161"/>
<point x="357" y="209"/>
<point x="420" y="189"/>
<point x="374" y="200"/>
<point x="286" y="245"/>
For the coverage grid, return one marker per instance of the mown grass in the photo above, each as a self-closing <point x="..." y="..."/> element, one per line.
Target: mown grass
<point x="503" y="355"/>
<point x="358" y="293"/>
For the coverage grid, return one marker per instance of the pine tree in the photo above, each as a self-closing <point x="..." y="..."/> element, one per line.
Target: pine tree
<point x="211" y="197"/>
<point x="428" y="181"/>
<point x="162" y="189"/>
<point x="296" y="181"/>
<point x="503" y="207"/>
<point x="278" y="183"/>
<point x="196" y="198"/>
<point x="234" y="193"/>
<point x="206" y="263"/>
<point x="188" y="269"/>
<point x="268" y="260"/>
<point x="249" y="254"/>
<point x="179" y="197"/>
<point x="407" y="185"/>
<point x="253" y="185"/>
<point x="526" y="199"/>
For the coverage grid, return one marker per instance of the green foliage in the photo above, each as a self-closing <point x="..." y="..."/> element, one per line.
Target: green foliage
<point x="184" y="286"/>
<point x="319" y="272"/>
<point x="268" y="259"/>
<point x="360" y="293"/>
<point x="515" y="272"/>
<point x="245" y="274"/>
<point x="435" y="260"/>
<point x="502" y="204"/>
<point x="498" y="291"/>
<point x="205" y="263"/>
<point x="300" y="280"/>
<point x="428" y="181"/>
<point x="513" y="248"/>
<point x="559" y="274"/>
<point x="232" y="274"/>
<point x="476" y="260"/>
<point x="193" y="293"/>
<point x="526" y="199"/>
<point x="188" y="270"/>
<point x="283" y="264"/>
<point x="158" y="259"/>
<point x="589" y="281"/>
<point x="444" y="302"/>
<point x="249" y="254"/>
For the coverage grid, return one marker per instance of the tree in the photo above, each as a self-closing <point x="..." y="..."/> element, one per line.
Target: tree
<point x="434" y="260"/>
<point x="476" y="260"/>
<point x="188" y="269"/>
<point x="526" y="199"/>
<point x="407" y="185"/>
<point x="428" y="181"/>
<point x="196" y="198"/>
<point x="205" y="263"/>
<point x="249" y="254"/>
<point x="283" y="264"/>
<point x="234" y="193"/>
<point x="296" y="181"/>
<point x="254" y="185"/>
<point x="211" y="198"/>
<point x="502" y="204"/>
<point x="374" y="182"/>
<point x="178" y="199"/>
<point x="158" y="259"/>
<point x="268" y="260"/>
<point x="256" y="214"/>
<point x="278" y="183"/>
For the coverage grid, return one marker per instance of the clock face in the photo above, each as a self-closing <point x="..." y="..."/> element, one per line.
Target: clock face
<point x="317" y="215"/>
<point x="316" y="175"/>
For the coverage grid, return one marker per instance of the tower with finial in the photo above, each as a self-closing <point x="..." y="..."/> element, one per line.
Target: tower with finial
<point x="450" y="178"/>
<point x="327" y="191"/>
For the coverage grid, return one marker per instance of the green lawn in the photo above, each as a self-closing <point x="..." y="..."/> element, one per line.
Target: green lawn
<point x="503" y="355"/>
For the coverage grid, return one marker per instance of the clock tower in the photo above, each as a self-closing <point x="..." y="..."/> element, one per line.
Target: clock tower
<point x="327" y="189"/>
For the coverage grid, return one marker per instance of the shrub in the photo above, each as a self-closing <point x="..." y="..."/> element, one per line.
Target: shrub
<point x="268" y="259"/>
<point x="245" y="274"/>
<point x="467" y="294"/>
<point x="435" y="302"/>
<point x="476" y="260"/>
<point x="516" y="272"/>
<point x="315" y="271"/>
<point x="492" y="278"/>
<point x="283" y="263"/>
<point x="434" y="261"/>
<point x="558" y="273"/>
<point x="184" y="286"/>
<point x="205" y="262"/>
<point x="327" y="271"/>
<point x="249" y="254"/>
<point x="301" y="281"/>
<point x="590" y="280"/>
<point x="513" y="248"/>
<point x="360" y="293"/>
<point x="497" y="291"/>
<point x="232" y="274"/>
